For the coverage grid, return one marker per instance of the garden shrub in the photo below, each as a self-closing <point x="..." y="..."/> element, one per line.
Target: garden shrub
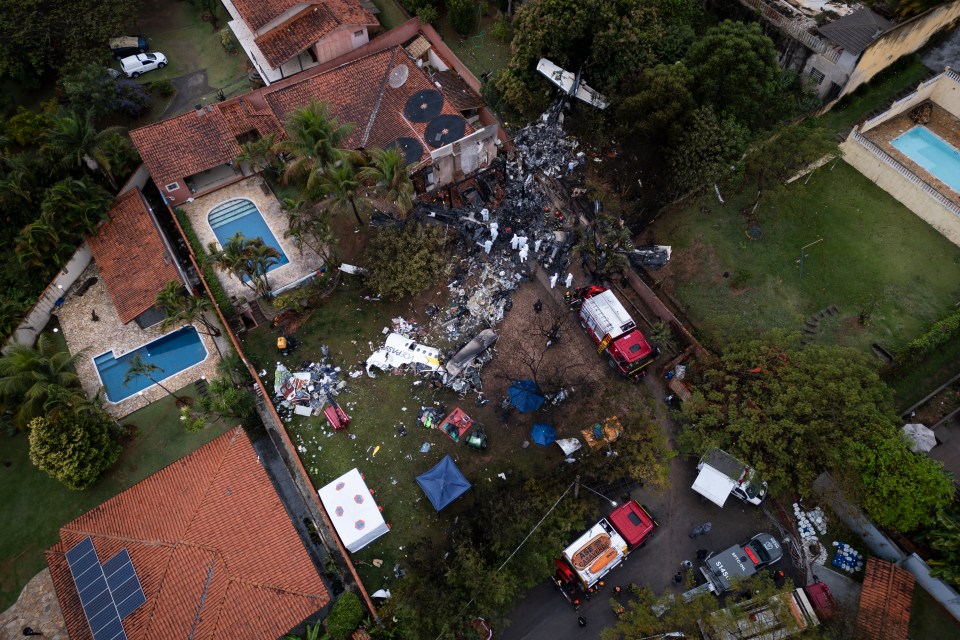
<point x="936" y="336"/>
<point x="344" y="617"/>
<point x="163" y="88"/>
<point x="462" y="14"/>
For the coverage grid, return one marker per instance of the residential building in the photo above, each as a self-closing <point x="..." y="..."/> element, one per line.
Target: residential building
<point x="203" y="548"/>
<point x="885" y="602"/>
<point x="284" y="37"/>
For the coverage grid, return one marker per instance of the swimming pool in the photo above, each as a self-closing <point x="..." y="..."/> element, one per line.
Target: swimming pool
<point x="172" y="353"/>
<point x="933" y="153"/>
<point x="242" y="216"/>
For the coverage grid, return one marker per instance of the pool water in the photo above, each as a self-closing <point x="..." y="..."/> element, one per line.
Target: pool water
<point x="242" y="216"/>
<point x="933" y="153"/>
<point x="172" y="353"/>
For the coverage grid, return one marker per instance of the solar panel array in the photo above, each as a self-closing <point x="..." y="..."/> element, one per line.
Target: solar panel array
<point x="108" y="592"/>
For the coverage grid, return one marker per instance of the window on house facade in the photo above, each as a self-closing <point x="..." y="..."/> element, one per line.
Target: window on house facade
<point x="173" y="186"/>
<point x="358" y="34"/>
<point x="817" y="75"/>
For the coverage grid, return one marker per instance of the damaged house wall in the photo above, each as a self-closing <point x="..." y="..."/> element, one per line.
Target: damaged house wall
<point x="465" y="156"/>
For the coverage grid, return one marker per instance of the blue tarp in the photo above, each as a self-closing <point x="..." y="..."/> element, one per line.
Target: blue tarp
<point x="443" y="484"/>
<point x="543" y="433"/>
<point x="525" y="395"/>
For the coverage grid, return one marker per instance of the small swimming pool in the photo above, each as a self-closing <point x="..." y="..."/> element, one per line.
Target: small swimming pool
<point x="172" y="353"/>
<point x="242" y="216"/>
<point x="933" y="153"/>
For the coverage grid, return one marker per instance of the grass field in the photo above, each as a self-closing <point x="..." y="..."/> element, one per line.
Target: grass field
<point x="351" y="327"/>
<point x="876" y="256"/>
<point x="33" y="506"/>
<point x="391" y="14"/>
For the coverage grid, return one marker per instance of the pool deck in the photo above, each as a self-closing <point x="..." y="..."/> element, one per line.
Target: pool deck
<point x="942" y="123"/>
<point x="255" y="189"/>
<point x="107" y="333"/>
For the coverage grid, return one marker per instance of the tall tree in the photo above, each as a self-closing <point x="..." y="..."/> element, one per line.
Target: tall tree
<point x="311" y="227"/>
<point x="247" y="259"/>
<point x="74" y="448"/>
<point x="182" y="308"/>
<point x="735" y="70"/>
<point x="314" y="141"/>
<point x="661" y="107"/>
<point x="32" y="376"/>
<point x="140" y="368"/>
<point x="706" y="150"/>
<point x="389" y="174"/>
<point x="71" y="210"/>
<point x="75" y="141"/>
<point x="342" y="187"/>
<point x="404" y="262"/>
<point x="797" y="412"/>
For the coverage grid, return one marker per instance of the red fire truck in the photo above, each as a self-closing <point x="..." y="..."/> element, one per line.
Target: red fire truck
<point x="600" y="549"/>
<point x="616" y="334"/>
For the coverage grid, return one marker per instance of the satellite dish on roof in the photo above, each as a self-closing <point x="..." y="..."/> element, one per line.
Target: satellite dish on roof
<point x="399" y="75"/>
<point x="444" y="129"/>
<point x="423" y="106"/>
<point x="411" y="149"/>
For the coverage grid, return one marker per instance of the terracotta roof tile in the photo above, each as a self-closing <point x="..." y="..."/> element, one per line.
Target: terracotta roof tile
<point x="357" y="92"/>
<point x="187" y="144"/>
<point x="259" y="13"/>
<point x="294" y="36"/>
<point x="885" y="602"/>
<point x="213" y="547"/>
<point x="132" y="257"/>
<point x="457" y="91"/>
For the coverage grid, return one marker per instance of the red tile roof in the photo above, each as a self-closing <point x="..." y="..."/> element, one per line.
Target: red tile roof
<point x="305" y="23"/>
<point x="358" y="92"/>
<point x="132" y="257"/>
<point x="213" y="547"/>
<point x="885" y="602"/>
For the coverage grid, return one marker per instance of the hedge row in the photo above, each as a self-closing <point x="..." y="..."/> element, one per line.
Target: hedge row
<point x="936" y="336"/>
<point x="219" y="295"/>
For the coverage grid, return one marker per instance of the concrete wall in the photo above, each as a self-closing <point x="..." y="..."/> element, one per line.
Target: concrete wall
<point x="924" y="91"/>
<point x="903" y="39"/>
<point x="465" y="156"/>
<point x="946" y="93"/>
<point x="902" y="184"/>
<point x="340" y="41"/>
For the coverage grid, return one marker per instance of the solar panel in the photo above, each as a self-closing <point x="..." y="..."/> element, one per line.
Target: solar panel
<point x="108" y="592"/>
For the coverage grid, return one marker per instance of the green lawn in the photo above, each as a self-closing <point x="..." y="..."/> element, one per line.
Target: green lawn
<point x="479" y="50"/>
<point x="176" y="30"/>
<point x="391" y="14"/>
<point x="875" y="256"/>
<point x="34" y="507"/>
<point x="929" y="620"/>
<point x="348" y="325"/>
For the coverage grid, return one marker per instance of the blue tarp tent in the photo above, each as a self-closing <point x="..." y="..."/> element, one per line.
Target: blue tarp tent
<point x="443" y="484"/>
<point x="543" y="433"/>
<point x="525" y="395"/>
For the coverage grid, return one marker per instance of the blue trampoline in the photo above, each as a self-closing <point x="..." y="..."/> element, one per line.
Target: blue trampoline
<point x="443" y="484"/>
<point x="525" y="395"/>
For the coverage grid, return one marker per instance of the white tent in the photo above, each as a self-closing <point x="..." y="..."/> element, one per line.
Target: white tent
<point x="919" y="437"/>
<point x="714" y="485"/>
<point x="353" y="511"/>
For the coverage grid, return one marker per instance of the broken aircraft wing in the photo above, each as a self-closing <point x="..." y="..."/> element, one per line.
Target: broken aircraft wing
<point x="475" y="347"/>
<point x="567" y="81"/>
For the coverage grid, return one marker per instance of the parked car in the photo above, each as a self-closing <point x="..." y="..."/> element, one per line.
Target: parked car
<point x="137" y="65"/>
<point x="127" y="46"/>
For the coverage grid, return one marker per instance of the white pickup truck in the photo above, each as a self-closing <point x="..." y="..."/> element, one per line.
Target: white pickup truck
<point x="721" y="475"/>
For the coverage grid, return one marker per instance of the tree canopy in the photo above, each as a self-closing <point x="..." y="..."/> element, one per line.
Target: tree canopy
<point x="405" y="261"/>
<point x="75" y="448"/>
<point x="794" y="413"/>
<point x="36" y="35"/>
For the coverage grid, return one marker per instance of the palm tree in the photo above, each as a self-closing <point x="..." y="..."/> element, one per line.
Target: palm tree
<point x="259" y="154"/>
<point x="138" y="367"/>
<point x="314" y="141"/>
<point x="310" y="228"/>
<point x="389" y="174"/>
<point x="182" y="308"/>
<point x="260" y="258"/>
<point x="247" y="259"/>
<point x="342" y="187"/>
<point x="75" y="141"/>
<point x="32" y="376"/>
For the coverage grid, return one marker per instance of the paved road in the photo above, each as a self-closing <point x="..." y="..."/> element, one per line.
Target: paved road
<point x="544" y="613"/>
<point x="190" y="88"/>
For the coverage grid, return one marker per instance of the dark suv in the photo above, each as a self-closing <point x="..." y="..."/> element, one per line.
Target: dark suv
<point x="128" y="46"/>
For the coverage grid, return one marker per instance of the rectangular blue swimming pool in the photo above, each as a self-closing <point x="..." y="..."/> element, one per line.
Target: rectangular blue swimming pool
<point x="933" y="153"/>
<point x="242" y="216"/>
<point x="172" y="353"/>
